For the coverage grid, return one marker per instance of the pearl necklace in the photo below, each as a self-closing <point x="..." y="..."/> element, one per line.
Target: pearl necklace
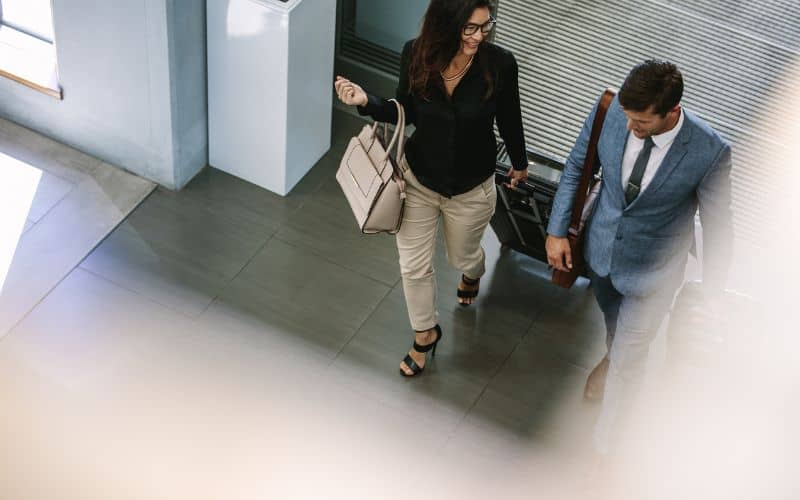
<point x="460" y="73"/>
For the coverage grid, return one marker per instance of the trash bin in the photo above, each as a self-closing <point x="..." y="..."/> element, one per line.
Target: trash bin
<point x="270" y="71"/>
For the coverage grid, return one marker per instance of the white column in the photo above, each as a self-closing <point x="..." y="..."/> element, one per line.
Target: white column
<point x="270" y="75"/>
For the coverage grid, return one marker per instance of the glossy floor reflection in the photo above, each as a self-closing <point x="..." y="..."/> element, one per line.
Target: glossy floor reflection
<point x="227" y="343"/>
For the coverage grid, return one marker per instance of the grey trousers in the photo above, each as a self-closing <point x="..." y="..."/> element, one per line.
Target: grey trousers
<point x="464" y="219"/>
<point x="631" y="325"/>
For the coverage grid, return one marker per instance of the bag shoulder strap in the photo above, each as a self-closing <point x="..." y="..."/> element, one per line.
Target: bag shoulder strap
<point x="399" y="132"/>
<point x="590" y="160"/>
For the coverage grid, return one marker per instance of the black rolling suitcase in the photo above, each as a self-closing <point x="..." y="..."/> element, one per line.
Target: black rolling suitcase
<point x="522" y="214"/>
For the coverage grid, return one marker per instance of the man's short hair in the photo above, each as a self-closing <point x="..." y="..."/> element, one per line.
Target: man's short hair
<point x="652" y="83"/>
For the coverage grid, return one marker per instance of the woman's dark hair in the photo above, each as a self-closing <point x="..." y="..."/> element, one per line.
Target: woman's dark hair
<point x="652" y="83"/>
<point x="439" y="41"/>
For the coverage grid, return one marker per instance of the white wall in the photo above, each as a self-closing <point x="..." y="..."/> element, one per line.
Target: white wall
<point x="188" y="76"/>
<point x="134" y="82"/>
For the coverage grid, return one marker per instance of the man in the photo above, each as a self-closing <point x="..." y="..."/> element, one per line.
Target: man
<point x="659" y="163"/>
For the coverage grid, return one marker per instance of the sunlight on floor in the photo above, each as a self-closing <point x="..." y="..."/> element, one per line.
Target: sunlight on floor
<point x="18" y="184"/>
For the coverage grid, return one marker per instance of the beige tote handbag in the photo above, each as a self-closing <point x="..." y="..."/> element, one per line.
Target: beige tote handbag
<point x="372" y="180"/>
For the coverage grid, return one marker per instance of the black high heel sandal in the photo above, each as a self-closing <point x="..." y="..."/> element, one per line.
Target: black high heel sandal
<point x="468" y="294"/>
<point x="409" y="361"/>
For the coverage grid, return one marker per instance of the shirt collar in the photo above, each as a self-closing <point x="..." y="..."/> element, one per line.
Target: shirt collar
<point x="665" y="139"/>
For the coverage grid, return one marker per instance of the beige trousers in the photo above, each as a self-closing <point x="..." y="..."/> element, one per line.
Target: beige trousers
<point x="464" y="218"/>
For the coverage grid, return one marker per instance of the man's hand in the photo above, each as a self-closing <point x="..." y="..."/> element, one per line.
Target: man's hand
<point x="559" y="255"/>
<point x="516" y="176"/>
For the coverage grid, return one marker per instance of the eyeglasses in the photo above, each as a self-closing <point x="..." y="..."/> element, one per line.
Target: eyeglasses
<point x="472" y="28"/>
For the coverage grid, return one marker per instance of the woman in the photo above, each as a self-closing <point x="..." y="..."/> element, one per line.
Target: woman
<point x="453" y="84"/>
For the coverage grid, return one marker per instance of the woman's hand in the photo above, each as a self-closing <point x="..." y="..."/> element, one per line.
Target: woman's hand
<point x="350" y="93"/>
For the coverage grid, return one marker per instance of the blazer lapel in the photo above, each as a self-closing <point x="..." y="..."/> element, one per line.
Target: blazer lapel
<point x="673" y="158"/>
<point x="612" y="172"/>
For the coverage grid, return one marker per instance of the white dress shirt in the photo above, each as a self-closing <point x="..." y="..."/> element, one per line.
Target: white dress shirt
<point x="661" y="145"/>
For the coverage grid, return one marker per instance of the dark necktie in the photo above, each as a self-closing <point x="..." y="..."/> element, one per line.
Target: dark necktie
<point x="635" y="180"/>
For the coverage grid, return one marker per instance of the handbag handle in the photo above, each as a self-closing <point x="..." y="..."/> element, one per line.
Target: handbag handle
<point x="397" y="137"/>
<point x="401" y="143"/>
<point x="589" y="161"/>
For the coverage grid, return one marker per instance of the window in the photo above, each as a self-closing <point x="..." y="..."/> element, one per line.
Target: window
<point x="33" y="17"/>
<point x="27" y="50"/>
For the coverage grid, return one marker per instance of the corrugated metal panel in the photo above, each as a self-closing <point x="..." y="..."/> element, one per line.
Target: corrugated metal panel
<point x="772" y="20"/>
<point x="735" y="56"/>
<point x="367" y="53"/>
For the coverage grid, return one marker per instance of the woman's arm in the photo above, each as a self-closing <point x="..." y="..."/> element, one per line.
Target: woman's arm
<point x="509" y="115"/>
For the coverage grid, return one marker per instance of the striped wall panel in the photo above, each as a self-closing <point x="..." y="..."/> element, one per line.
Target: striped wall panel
<point x="735" y="56"/>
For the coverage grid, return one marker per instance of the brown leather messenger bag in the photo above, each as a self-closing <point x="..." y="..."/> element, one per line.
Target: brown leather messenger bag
<point x="585" y="197"/>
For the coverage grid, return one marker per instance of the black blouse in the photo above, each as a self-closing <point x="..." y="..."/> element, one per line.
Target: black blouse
<point x="453" y="148"/>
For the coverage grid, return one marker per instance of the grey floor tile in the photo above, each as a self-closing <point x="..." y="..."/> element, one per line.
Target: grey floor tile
<point x="296" y="292"/>
<point x="475" y="341"/>
<point x="49" y="192"/>
<point x="526" y="281"/>
<point x="102" y="344"/>
<point x="327" y="227"/>
<point x="35" y="191"/>
<point x="474" y="345"/>
<point x="536" y="396"/>
<point x="510" y="289"/>
<point x="220" y="195"/>
<point x="45" y="153"/>
<point x="574" y="334"/>
<point x="97" y="370"/>
<point x="435" y="399"/>
<point x="196" y="234"/>
<point x="62" y="158"/>
<point x="88" y="334"/>
<point x="78" y="222"/>
<point x="182" y="248"/>
<point x="121" y="190"/>
<point x="128" y="259"/>
<point x="322" y="174"/>
<point x="256" y="341"/>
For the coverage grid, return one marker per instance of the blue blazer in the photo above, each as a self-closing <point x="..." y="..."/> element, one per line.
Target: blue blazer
<point x="643" y="246"/>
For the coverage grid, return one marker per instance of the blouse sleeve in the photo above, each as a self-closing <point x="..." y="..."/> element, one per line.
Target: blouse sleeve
<point x="509" y="115"/>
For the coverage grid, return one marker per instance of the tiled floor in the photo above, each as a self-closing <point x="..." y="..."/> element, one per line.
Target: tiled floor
<point x="227" y="343"/>
<point x="57" y="204"/>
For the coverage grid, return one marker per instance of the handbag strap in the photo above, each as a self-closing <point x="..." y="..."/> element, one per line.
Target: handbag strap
<point x="397" y="137"/>
<point x="590" y="160"/>
<point x="399" y="134"/>
<point x="397" y="142"/>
